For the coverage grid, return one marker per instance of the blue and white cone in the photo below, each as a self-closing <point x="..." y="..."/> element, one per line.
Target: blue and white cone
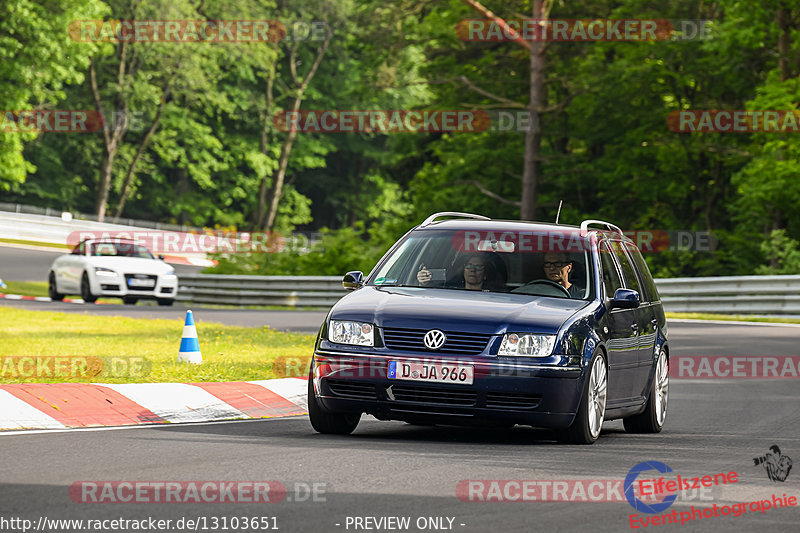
<point x="190" y="346"/>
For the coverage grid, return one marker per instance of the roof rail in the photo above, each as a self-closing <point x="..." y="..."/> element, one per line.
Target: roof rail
<point x="609" y="226"/>
<point x="434" y="216"/>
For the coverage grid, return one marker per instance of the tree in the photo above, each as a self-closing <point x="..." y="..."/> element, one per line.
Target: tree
<point x="38" y="59"/>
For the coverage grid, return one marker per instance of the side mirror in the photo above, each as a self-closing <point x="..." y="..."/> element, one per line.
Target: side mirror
<point x="353" y="280"/>
<point x="625" y="299"/>
<point x="161" y="256"/>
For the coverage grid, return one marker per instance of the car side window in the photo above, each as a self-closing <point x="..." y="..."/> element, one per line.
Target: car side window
<point x="644" y="273"/>
<point x="611" y="279"/>
<point x="628" y="272"/>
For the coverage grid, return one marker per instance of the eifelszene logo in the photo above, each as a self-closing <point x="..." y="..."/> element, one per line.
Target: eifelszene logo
<point x="777" y="465"/>
<point x="630" y="484"/>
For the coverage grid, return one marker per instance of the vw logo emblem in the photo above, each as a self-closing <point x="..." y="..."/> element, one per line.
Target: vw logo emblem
<point x="434" y="339"/>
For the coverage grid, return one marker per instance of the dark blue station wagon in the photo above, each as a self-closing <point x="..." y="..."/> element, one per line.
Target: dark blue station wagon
<point x="473" y="321"/>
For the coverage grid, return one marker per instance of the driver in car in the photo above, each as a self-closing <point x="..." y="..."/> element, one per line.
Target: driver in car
<point x="557" y="267"/>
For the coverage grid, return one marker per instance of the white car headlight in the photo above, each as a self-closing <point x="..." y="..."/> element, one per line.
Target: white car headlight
<point x="100" y="271"/>
<point x="358" y="333"/>
<point x="526" y="344"/>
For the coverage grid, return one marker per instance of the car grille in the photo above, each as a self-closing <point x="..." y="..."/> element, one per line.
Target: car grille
<point x="434" y="395"/>
<point x="140" y="276"/>
<point x="457" y="343"/>
<point x="352" y="389"/>
<point x="512" y="400"/>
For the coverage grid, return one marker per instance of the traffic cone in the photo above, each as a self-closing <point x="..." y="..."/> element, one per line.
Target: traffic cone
<point x="190" y="346"/>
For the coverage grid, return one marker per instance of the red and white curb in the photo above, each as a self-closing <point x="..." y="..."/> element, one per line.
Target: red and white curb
<point x="75" y="405"/>
<point x="42" y="298"/>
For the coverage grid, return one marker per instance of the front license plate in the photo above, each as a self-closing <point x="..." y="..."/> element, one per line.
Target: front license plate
<point x="459" y="374"/>
<point x="134" y="282"/>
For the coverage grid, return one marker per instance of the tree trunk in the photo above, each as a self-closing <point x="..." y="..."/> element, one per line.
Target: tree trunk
<point x="112" y="135"/>
<point x="104" y="184"/>
<point x="126" y="184"/>
<point x="531" y="173"/>
<point x="263" y="186"/>
<point x="277" y="186"/>
<point x="784" y="41"/>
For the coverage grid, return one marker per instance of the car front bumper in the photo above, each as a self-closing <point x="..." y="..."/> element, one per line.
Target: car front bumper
<point x="502" y="392"/>
<point x="165" y="287"/>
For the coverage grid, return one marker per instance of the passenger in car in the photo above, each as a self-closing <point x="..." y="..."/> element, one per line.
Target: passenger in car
<point x="476" y="274"/>
<point x="557" y="267"/>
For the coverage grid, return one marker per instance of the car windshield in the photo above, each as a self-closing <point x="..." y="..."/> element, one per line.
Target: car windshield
<point x="553" y="264"/>
<point x="121" y="249"/>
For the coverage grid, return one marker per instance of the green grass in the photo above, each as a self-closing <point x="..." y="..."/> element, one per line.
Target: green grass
<point x="26" y="288"/>
<point x="738" y="318"/>
<point x="38" y="243"/>
<point x="50" y="347"/>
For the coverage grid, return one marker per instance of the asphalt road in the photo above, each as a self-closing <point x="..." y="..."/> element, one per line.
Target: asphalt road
<point x="394" y="469"/>
<point x="27" y="264"/>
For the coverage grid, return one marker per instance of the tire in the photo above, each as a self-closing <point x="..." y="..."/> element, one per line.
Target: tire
<point x="52" y="288"/>
<point x="585" y="429"/>
<point x="165" y="301"/>
<point x="652" y="419"/>
<point x="127" y="300"/>
<point x="323" y="421"/>
<point x="86" y="290"/>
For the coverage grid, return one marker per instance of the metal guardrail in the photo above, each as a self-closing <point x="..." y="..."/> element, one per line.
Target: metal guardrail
<point x="292" y="291"/>
<point x="746" y="295"/>
<point x="742" y="295"/>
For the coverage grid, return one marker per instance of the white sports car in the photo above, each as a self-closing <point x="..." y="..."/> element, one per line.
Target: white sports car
<point x="115" y="267"/>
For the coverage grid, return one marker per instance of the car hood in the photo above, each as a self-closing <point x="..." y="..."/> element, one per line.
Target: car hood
<point x="130" y="265"/>
<point x="455" y="310"/>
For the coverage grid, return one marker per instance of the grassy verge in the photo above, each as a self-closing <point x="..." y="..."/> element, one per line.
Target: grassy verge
<point x="38" y="243"/>
<point x="50" y="347"/>
<point x="737" y="318"/>
<point x="26" y="288"/>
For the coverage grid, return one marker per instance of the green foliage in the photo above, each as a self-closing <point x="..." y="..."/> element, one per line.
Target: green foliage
<point x="37" y="60"/>
<point x="606" y="150"/>
<point x="783" y="253"/>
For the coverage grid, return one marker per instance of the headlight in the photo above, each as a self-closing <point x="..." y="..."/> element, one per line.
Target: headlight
<point x="100" y="271"/>
<point x="170" y="272"/>
<point x="525" y="344"/>
<point x="358" y="333"/>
